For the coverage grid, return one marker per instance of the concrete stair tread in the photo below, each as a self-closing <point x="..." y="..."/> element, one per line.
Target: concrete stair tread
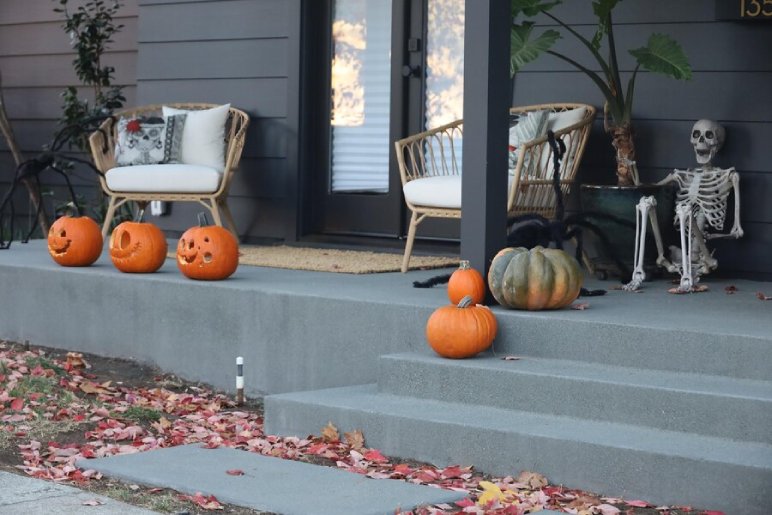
<point x="367" y="399"/>
<point x="598" y="372"/>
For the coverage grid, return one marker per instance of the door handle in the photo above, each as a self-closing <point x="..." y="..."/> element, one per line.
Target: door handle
<point x="410" y="70"/>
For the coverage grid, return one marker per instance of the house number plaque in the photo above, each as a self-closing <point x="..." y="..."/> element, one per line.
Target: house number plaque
<point x="744" y="10"/>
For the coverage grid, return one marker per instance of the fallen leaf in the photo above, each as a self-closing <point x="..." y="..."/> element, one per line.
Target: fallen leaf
<point x="638" y="504"/>
<point x="330" y="433"/>
<point x="730" y="289"/>
<point x="92" y="502"/>
<point x="700" y="288"/>
<point x="607" y="509"/>
<point x="235" y="472"/>
<point x="75" y="360"/>
<point x="511" y="358"/>
<point x="532" y="479"/>
<point x="355" y="439"/>
<point x="206" y="502"/>
<point x="376" y="456"/>
<point x="17" y="404"/>
<point x="761" y="296"/>
<point x="581" y="306"/>
<point x="96" y="389"/>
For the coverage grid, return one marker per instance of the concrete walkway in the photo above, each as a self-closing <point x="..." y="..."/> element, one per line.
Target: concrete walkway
<point x="271" y="484"/>
<point x="20" y="495"/>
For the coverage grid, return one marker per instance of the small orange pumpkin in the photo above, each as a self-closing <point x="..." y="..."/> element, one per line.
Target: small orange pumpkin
<point x="208" y="253"/>
<point x="75" y="241"/>
<point x="466" y="281"/>
<point x="461" y="331"/>
<point x="137" y="247"/>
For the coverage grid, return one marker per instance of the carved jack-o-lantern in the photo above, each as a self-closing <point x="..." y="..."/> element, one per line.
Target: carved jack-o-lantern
<point x="137" y="247"/>
<point x="207" y="253"/>
<point x="75" y="241"/>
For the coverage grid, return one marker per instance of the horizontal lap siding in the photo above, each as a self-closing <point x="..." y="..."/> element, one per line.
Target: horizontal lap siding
<point x="36" y="63"/>
<point x="239" y="52"/>
<point x="732" y="83"/>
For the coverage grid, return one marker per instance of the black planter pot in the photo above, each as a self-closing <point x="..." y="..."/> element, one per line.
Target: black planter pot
<point x="612" y="209"/>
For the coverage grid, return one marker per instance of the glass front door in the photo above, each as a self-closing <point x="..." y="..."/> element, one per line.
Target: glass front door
<point x="395" y="68"/>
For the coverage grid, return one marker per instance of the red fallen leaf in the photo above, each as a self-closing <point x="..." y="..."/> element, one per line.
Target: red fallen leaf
<point x="580" y="306"/>
<point x="235" y="472"/>
<point x="730" y="289"/>
<point x="710" y="512"/>
<point x="17" y="404"/>
<point x="638" y="504"/>
<point x="761" y="296"/>
<point x="403" y="469"/>
<point x="376" y="456"/>
<point x="206" y="502"/>
<point x="465" y="503"/>
<point x="92" y="502"/>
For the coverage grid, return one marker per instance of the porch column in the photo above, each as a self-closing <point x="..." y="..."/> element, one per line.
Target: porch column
<point x="486" y="119"/>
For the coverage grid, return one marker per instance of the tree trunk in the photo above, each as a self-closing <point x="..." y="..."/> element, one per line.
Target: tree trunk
<point x="622" y="140"/>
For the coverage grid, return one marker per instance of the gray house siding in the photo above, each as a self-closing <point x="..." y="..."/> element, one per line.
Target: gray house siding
<point x="732" y="83"/>
<point x="36" y="66"/>
<point x="244" y="52"/>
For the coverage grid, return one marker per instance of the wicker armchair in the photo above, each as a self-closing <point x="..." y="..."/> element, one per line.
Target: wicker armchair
<point x="435" y="155"/>
<point x="102" y="144"/>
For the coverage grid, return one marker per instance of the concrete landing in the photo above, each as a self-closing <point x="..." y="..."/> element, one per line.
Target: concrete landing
<point x="271" y="484"/>
<point x="20" y="495"/>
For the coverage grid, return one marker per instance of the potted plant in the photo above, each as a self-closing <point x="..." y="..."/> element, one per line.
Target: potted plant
<point x="661" y="55"/>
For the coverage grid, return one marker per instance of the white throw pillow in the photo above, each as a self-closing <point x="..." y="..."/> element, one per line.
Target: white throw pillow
<point x="203" y="138"/>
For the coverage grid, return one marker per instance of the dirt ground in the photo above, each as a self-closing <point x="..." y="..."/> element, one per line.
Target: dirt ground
<point x="131" y="375"/>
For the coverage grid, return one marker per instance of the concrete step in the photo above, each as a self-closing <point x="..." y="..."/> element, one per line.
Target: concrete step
<point x="661" y="466"/>
<point x="721" y="346"/>
<point x="725" y="407"/>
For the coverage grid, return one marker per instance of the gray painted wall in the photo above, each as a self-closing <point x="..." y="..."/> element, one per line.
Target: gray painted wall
<point x="732" y="83"/>
<point x="36" y="64"/>
<point x="248" y="52"/>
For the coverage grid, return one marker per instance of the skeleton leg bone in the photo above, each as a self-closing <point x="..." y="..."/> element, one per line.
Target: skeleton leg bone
<point x="683" y="211"/>
<point x="643" y="211"/>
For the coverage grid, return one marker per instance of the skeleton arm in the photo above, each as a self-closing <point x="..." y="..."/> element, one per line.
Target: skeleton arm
<point x="670" y="178"/>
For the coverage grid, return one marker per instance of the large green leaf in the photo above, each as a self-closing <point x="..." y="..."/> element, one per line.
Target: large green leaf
<point x="523" y="49"/>
<point x="602" y="10"/>
<point x="532" y="7"/>
<point x="662" y="54"/>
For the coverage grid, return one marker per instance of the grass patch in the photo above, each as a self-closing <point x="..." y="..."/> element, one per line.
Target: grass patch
<point x="44" y="363"/>
<point x="165" y="501"/>
<point x="139" y="415"/>
<point x="33" y="384"/>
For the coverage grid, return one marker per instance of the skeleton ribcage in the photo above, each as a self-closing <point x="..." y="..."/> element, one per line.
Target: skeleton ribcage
<point x="706" y="193"/>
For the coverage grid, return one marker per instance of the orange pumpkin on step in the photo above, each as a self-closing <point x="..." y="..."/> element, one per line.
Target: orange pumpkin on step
<point x="75" y="241"/>
<point x="466" y="281"/>
<point x="209" y="253"/>
<point x="137" y="247"/>
<point x="461" y="331"/>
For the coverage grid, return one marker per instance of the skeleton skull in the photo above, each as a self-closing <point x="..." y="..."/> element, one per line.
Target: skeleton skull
<point x="707" y="139"/>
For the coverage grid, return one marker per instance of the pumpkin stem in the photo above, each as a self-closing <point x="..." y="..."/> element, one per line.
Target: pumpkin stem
<point x="464" y="265"/>
<point x="466" y="301"/>
<point x="203" y="221"/>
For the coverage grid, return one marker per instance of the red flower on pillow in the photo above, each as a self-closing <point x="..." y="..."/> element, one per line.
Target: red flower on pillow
<point x="133" y="126"/>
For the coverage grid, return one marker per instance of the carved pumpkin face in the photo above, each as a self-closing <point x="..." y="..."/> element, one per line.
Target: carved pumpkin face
<point x="208" y="253"/>
<point x="75" y="241"/>
<point x="137" y="247"/>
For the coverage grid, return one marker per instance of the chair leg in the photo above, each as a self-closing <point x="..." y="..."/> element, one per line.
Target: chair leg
<point x="228" y="216"/>
<point x="111" y="207"/>
<point x="410" y="238"/>
<point x="215" y="212"/>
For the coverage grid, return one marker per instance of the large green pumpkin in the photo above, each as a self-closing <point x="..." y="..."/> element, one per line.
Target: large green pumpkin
<point x="534" y="279"/>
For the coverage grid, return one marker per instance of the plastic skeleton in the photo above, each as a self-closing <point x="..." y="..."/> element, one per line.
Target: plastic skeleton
<point x="701" y="203"/>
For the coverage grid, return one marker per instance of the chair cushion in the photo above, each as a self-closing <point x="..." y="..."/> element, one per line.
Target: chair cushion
<point x="203" y="137"/>
<point x="530" y="126"/>
<point x="164" y="178"/>
<point x="439" y="191"/>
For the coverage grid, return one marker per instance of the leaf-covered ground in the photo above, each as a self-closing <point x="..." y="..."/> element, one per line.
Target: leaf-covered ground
<point x="56" y="408"/>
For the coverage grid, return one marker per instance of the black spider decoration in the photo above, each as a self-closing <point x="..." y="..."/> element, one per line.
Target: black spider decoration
<point x="530" y="230"/>
<point x="51" y="159"/>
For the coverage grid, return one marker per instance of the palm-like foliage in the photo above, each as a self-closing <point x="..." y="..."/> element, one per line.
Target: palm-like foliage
<point x="661" y="54"/>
